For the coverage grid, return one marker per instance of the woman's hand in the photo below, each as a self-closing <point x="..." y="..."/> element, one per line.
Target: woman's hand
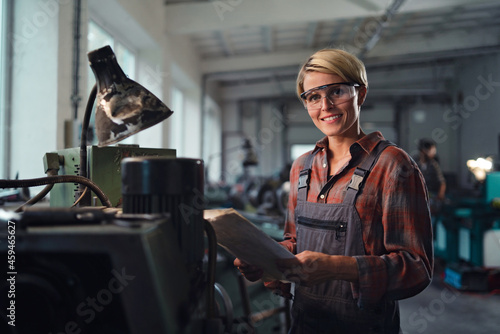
<point x="251" y="273"/>
<point x="311" y="268"/>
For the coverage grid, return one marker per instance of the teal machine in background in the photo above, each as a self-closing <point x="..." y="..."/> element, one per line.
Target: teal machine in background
<point x="467" y="238"/>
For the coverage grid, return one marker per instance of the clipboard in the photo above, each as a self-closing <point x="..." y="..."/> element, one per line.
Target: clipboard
<point x="243" y="239"/>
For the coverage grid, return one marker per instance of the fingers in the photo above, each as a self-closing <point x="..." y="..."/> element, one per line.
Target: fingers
<point x="251" y="273"/>
<point x="237" y="262"/>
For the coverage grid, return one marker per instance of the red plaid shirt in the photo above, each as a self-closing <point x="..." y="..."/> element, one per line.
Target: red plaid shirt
<point x="393" y="208"/>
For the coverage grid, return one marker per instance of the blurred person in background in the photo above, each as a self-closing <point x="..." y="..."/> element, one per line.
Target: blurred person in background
<point x="429" y="166"/>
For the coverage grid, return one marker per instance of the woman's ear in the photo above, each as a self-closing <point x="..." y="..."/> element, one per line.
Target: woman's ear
<point x="361" y="95"/>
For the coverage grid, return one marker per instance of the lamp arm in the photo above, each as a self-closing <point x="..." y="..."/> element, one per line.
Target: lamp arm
<point x="85" y="196"/>
<point x="85" y="128"/>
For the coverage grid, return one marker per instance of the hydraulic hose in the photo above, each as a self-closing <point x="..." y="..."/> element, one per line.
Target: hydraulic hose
<point x="58" y="179"/>
<point x="36" y="198"/>
<point x="40" y="195"/>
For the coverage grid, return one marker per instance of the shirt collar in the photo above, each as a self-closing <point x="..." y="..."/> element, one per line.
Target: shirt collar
<point x="367" y="143"/>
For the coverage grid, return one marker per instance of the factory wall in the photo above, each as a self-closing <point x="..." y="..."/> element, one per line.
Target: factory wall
<point x="425" y="120"/>
<point x="476" y="118"/>
<point x="454" y="104"/>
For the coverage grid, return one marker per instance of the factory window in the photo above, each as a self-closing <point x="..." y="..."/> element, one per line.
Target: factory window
<point x="296" y="150"/>
<point x="3" y="106"/>
<point x="97" y="38"/>
<point x="176" y="131"/>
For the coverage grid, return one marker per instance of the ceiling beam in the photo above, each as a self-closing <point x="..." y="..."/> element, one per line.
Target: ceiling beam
<point x="225" y="15"/>
<point x="445" y="41"/>
<point x="413" y="45"/>
<point x="367" y="4"/>
<point x="375" y="37"/>
<point x="226" y="44"/>
<point x="258" y="61"/>
<point x="196" y="17"/>
<point x="267" y="35"/>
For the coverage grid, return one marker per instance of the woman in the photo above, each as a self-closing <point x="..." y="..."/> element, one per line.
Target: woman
<point x="358" y="219"/>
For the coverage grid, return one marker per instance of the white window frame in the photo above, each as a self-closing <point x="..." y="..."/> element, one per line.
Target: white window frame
<point x="5" y="6"/>
<point x="177" y="125"/>
<point x="296" y="150"/>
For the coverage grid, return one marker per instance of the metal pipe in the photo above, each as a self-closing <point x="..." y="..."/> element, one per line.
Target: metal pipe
<point x="75" y="97"/>
<point x="245" y="300"/>
<point x="212" y="258"/>
<point x="83" y="142"/>
<point x="389" y="13"/>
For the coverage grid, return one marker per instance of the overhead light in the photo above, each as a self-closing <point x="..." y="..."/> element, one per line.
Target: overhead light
<point x="480" y="167"/>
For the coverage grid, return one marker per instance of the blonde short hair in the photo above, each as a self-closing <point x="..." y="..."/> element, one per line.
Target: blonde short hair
<point x="333" y="61"/>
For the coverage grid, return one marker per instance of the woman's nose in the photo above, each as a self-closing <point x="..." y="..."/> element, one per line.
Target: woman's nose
<point x="325" y="102"/>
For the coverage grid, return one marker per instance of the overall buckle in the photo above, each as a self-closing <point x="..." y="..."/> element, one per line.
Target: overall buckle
<point x="357" y="179"/>
<point x="304" y="178"/>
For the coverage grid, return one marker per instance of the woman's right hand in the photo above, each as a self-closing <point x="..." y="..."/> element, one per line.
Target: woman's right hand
<point x="251" y="273"/>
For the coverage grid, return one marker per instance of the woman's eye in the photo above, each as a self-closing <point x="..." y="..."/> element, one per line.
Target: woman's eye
<point x="313" y="98"/>
<point x="337" y="92"/>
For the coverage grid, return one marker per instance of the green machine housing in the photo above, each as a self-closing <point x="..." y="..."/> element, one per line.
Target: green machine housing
<point x="104" y="169"/>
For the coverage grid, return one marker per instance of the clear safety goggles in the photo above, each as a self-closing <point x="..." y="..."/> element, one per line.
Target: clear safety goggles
<point x="335" y="93"/>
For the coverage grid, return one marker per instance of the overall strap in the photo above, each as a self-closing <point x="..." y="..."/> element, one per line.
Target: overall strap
<point x="304" y="177"/>
<point x="362" y="171"/>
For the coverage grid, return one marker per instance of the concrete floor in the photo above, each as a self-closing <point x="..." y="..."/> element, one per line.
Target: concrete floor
<point x="442" y="309"/>
<point x="438" y="309"/>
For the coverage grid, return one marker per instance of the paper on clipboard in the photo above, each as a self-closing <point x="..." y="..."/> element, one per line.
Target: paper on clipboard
<point x="244" y="240"/>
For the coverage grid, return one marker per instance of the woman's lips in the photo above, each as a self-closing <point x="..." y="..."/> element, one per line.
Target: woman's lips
<point x="331" y="118"/>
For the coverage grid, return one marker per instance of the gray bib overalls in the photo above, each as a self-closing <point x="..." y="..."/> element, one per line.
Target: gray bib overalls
<point x="336" y="229"/>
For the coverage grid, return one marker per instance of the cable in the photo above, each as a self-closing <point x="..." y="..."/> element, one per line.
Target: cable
<point x="36" y="198"/>
<point x="80" y="198"/>
<point x="85" y="127"/>
<point x="40" y="195"/>
<point x="58" y="179"/>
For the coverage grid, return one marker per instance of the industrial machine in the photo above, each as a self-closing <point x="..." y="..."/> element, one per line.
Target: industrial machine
<point x="467" y="234"/>
<point x="138" y="269"/>
<point x="122" y="247"/>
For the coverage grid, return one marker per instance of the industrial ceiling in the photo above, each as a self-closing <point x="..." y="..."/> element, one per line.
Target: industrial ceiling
<point x="244" y="42"/>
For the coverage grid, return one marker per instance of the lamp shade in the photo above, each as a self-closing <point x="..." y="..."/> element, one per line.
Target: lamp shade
<point x="123" y="106"/>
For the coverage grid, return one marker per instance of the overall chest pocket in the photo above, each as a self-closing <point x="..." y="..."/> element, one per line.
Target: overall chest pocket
<point x="325" y="236"/>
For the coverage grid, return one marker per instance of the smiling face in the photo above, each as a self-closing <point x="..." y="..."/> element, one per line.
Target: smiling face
<point x="335" y="120"/>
